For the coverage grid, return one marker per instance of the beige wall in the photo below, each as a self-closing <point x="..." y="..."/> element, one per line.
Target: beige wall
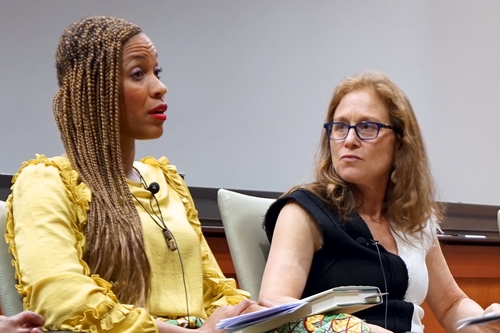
<point x="249" y="82"/>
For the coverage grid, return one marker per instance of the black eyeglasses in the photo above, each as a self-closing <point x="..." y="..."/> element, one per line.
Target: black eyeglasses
<point x="365" y="130"/>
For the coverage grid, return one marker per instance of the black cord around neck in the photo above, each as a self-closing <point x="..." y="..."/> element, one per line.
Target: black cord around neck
<point x="170" y="238"/>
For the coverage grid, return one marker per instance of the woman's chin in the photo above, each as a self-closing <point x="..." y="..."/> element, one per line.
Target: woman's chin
<point x="152" y="135"/>
<point x="350" y="177"/>
<point x="156" y="136"/>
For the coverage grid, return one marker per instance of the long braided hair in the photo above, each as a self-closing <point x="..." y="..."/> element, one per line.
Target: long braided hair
<point x="86" y="109"/>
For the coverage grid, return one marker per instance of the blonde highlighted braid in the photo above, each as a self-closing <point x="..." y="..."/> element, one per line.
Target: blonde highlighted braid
<point x="86" y="110"/>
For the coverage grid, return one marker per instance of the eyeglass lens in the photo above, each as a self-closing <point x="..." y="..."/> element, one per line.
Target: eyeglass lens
<point x="363" y="130"/>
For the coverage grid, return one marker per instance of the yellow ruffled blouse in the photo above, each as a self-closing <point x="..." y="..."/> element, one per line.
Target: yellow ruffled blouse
<point x="46" y="216"/>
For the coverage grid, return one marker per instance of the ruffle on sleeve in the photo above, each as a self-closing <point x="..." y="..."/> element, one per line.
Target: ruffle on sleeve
<point x="224" y="292"/>
<point x="104" y="313"/>
<point x="78" y="194"/>
<point x="9" y="238"/>
<point x="218" y="290"/>
<point x="109" y="315"/>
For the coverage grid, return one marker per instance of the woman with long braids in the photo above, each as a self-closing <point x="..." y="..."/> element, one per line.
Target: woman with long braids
<point x="102" y="243"/>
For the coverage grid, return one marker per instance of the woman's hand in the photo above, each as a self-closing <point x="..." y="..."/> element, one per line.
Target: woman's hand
<point x="222" y="313"/>
<point x="495" y="307"/>
<point x="254" y="307"/>
<point x="209" y="325"/>
<point x="492" y="326"/>
<point x="266" y="303"/>
<point x="378" y="329"/>
<point x="261" y="305"/>
<point x="23" y="322"/>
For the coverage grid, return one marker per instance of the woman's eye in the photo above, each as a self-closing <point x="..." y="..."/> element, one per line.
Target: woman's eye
<point x="137" y="74"/>
<point x="158" y="72"/>
<point x="365" y="126"/>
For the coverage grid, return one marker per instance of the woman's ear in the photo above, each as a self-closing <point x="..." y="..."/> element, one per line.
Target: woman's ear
<point x="399" y="142"/>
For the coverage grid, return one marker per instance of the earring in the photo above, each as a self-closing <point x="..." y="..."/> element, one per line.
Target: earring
<point x="393" y="177"/>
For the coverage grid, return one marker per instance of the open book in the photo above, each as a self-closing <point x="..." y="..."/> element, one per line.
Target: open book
<point x="478" y="320"/>
<point x="348" y="299"/>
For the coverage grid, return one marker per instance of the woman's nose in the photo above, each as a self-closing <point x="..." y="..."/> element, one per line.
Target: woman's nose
<point x="352" y="137"/>
<point x="158" y="89"/>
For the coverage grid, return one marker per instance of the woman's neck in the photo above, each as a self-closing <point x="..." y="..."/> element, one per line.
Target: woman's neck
<point x="373" y="203"/>
<point x="128" y="157"/>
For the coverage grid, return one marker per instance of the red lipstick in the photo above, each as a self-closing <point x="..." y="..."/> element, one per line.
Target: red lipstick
<point x="158" y="112"/>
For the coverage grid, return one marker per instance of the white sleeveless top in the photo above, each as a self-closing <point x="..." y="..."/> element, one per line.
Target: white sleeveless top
<point x="414" y="255"/>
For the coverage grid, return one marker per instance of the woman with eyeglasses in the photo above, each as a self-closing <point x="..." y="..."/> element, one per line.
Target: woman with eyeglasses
<point x="368" y="218"/>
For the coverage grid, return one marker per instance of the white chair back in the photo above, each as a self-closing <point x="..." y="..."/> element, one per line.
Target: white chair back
<point x="242" y="216"/>
<point x="10" y="300"/>
<point x="498" y="221"/>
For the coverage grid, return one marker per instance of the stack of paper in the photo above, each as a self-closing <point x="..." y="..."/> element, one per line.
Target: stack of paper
<point x="341" y="299"/>
<point x="253" y="318"/>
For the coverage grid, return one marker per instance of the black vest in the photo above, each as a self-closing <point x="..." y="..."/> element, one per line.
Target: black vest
<point x="349" y="257"/>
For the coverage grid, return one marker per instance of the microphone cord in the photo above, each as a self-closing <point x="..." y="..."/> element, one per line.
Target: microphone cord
<point x="169" y="238"/>
<point x="183" y="278"/>
<point x="171" y="241"/>
<point x="385" y="283"/>
<point x="178" y="251"/>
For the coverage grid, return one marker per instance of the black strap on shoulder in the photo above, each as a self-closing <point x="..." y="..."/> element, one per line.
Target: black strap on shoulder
<point x="314" y="206"/>
<point x="332" y="227"/>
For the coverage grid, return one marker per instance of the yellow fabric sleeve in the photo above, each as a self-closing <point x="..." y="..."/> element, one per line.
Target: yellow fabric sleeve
<point x="217" y="289"/>
<point x="49" y="207"/>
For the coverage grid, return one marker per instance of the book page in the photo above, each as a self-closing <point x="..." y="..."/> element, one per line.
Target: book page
<point x="342" y="299"/>
<point x="478" y="320"/>
<point x="252" y="318"/>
